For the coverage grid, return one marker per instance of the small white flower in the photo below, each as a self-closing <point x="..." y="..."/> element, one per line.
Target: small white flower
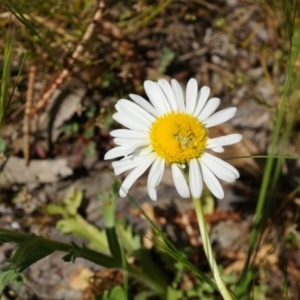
<point x="172" y="130"/>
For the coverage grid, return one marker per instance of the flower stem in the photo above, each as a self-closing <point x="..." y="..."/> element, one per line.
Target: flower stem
<point x="208" y="250"/>
<point x="98" y="258"/>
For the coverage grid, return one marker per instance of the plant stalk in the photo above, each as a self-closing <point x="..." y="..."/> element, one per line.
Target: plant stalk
<point x="91" y="255"/>
<point x="208" y="250"/>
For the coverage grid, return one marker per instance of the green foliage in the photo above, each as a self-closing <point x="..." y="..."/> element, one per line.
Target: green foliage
<point x="280" y="138"/>
<point x="117" y="293"/>
<point x="164" y="245"/>
<point x="18" y="12"/>
<point x="289" y="8"/>
<point x="166" y="58"/>
<point x="2" y="145"/>
<point x="74" y="223"/>
<point x="143" y="17"/>
<point x="145" y="295"/>
<point x="10" y="275"/>
<point x="90" y="150"/>
<point x="71" y="128"/>
<point x="29" y="251"/>
<point x="130" y="241"/>
<point x="5" y="96"/>
<point x="5" y="78"/>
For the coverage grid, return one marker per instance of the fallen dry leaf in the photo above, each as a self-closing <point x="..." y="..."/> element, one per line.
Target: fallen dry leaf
<point x="38" y="171"/>
<point x="80" y="280"/>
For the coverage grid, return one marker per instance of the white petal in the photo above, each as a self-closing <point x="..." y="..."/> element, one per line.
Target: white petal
<point x="131" y="161"/>
<point x="178" y="93"/>
<point x="134" y="111"/>
<point x="130" y="142"/>
<point x="144" y="104"/>
<point x="128" y="134"/>
<point x="152" y="193"/>
<point x="220" y="117"/>
<point x="127" y="163"/>
<point x="130" y="123"/>
<point x="219" y="170"/>
<point x="135" y="174"/>
<point x="209" y="108"/>
<point x="222" y="163"/>
<point x="133" y="148"/>
<point x="155" y="176"/>
<point x="218" y="149"/>
<point x="224" y="140"/>
<point x="180" y="182"/>
<point x="203" y="96"/>
<point x="156" y="172"/>
<point x="191" y="95"/>
<point x="155" y="97"/>
<point x="195" y="178"/>
<point x="212" y="182"/>
<point x="162" y="95"/>
<point x="167" y="90"/>
<point x="116" y="152"/>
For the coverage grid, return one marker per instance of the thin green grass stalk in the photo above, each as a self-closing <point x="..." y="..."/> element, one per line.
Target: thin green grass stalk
<point x="125" y="284"/>
<point x="208" y="250"/>
<point x="266" y="194"/>
<point x="5" y="78"/>
<point x="289" y="8"/>
<point x="293" y="108"/>
<point x="292" y="80"/>
<point x="168" y="247"/>
<point x="16" y="10"/>
<point x="144" y="17"/>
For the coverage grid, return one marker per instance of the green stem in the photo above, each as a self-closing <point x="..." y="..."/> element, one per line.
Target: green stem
<point x="208" y="250"/>
<point x="108" y="208"/>
<point x="157" y="286"/>
<point x="91" y="255"/>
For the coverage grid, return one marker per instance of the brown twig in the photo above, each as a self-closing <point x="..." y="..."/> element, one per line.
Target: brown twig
<point x="26" y="121"/>
<point x="65" y="73"/>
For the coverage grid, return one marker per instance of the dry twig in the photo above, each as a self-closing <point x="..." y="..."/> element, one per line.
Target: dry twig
<point x="65" y="73"/>
<point x="26" y="121"/>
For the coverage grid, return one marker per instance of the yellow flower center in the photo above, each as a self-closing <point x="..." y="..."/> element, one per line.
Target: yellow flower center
<point x="178" y="137"/>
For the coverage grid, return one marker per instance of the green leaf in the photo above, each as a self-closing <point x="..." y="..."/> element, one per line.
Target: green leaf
<point x="74" y="223"/>
<point x="69" y="206"/>
<point x="9" y="275"/>
<point x="56" y="209"/>
<point x="173" y="294"/>
<point x="2" y="145"/>
<point x="128" y="239"/>
<point x="117" y="293"/>
<point x="29" y="251"/>
<point x="73" y="201"/>
<point x="70" y="257"/>
<point x="165" y="60"/>
<point x="145" y="295"/>
<point x="80" y="227"/>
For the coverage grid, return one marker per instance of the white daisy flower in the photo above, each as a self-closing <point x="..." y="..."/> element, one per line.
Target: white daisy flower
<point x="171" y="130"/>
